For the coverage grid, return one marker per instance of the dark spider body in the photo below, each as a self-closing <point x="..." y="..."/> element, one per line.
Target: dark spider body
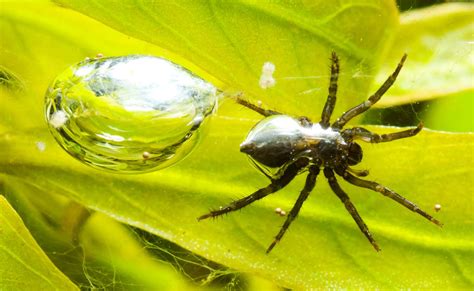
<point x="294" y="145"/>
<point x="280" y="139"/>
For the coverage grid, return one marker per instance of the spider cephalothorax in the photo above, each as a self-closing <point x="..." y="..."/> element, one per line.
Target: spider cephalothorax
<point x="292" y="145"/>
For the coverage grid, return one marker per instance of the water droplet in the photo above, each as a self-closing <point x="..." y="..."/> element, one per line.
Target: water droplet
<point x="128" y="114"/>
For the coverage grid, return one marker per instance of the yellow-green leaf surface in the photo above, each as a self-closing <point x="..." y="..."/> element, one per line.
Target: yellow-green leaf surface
<point x="323" y="248"/>
<point x="92" y="249"/>
<point x="438" y="41"/>
<point x="39" y="41"/>
<point x="453" y="114"/>
<point x="23" y="265"/>
<point x="109" y="242"/>
<point x="231" y="40"/>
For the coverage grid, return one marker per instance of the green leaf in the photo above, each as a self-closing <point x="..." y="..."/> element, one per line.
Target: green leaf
<point x="9" y="81"/>
<point x="23" y="263"/>
<point x="231" y="40"/>
<point x="438" y="41"/>
<point x="39" y="41"/>
<point x="46" y="217"/>
<point x="323" y="248"/>
<point x="108" y="254"/>
<point x="321" y="240"/>
<point x="110" y="243"/>
<point x="451" y="114"/>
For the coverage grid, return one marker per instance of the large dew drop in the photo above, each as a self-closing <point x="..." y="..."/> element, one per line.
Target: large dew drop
<point x="128" y="114"/>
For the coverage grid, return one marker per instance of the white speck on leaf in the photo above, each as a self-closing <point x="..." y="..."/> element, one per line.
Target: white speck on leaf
<point x="268" y="68"/>
<point x="266" y="79"/>
<point x="280" y="211"/>
<point x="41" y="146"/>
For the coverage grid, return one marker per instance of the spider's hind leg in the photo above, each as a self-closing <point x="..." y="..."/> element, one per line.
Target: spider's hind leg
<point x="308" y="187"/>
<point x="274" y="186"/>
<point x="256" y="108"/>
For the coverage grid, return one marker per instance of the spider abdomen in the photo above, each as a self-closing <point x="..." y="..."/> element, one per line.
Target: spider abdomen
<point x="277" y="140"/>
<point x="274" y="140"/>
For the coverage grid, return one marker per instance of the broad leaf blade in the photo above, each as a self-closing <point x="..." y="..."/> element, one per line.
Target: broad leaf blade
<point x="438" y="41"/>
<point x="452" y="114"/>
<point x="39" y="41"/>
<point x="90" y="248"/>
<point x="232" y="40"/>
<point x="325" y="245"/>
<point x="23" y="263"/>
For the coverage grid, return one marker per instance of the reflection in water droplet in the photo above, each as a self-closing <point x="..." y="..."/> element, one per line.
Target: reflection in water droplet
<point x="129" y="114"/>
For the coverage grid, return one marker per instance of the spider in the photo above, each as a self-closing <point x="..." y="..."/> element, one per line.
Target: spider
<point x="295" y="145"/>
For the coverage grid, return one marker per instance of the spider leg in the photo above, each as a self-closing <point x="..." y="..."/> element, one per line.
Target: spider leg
<point x="360" y="173"/>
<point x="256" y="108"/>
<point x="309" y="185"/>
<point x="367" y="136"/>
<point x="331" y="101"/>
<point x="349" y="206"/>
<point x="389" y="193"/>
<point x="260" y="168"/>
<point x="364" y="106"/>
<point x="274" y="186"/>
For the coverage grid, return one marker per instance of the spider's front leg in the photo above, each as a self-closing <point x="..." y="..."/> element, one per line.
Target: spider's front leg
<point x="331" y="100"/>
<point x="349" y="206"/>
<point x="364" y="106"/>
<point x="360" y="173"/>
<point x="387" y="192"/>
<point x="368" y="136"/>
<point x="274" y="186"/>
